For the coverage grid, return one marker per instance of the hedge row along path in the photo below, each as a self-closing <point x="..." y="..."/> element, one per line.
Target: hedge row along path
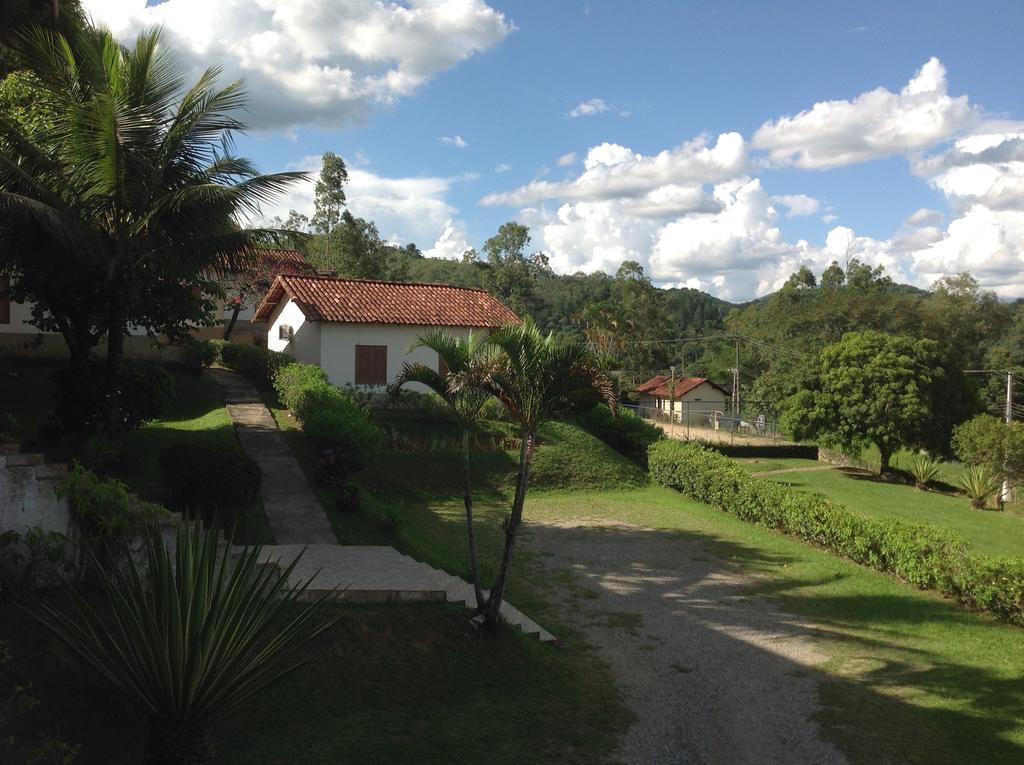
<point x="293" y="510"/>
<point x="712" y="673"/>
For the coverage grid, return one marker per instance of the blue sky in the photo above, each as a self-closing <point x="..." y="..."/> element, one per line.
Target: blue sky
<point x="382" y="84"/>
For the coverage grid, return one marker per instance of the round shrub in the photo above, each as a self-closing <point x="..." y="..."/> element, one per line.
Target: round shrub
<point x="258" y="364"/>
<point x="215" y="480"/>
<point x="291" y="380"/>
<point x="144" y="390"/>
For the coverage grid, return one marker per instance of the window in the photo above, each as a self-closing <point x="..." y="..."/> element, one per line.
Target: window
<point x="371" y="365"/>
<point x="5" y="301"/>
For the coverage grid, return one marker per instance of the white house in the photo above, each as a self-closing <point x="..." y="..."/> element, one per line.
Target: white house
<point x="359" y="331"/>
<point x="693" y="396"/>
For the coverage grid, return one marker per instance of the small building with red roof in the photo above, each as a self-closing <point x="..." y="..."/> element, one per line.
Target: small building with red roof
<point x="359" y="330"/>
<point x="692" y="396"/>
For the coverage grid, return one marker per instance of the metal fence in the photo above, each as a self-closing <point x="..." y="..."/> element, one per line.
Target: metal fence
<point x="692" y="420"/>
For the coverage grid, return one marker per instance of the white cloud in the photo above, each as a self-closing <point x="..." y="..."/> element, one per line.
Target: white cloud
<point x="797" y="204"/>
<point x="315" y="61"/>
<point x="986" y="167"/>
<point x="829" y="218"/>
<point x="455" y="141"/>
<point x="589" y="108"/>
<point x="566" y="159"/>
<point x="502" y="167"/>
<point x="613" y="171"/>
<point x="873" y="125"/>
<point x="451" y="243"/>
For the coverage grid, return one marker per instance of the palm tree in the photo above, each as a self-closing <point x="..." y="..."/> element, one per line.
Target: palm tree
<point x="121" y="199"/>
<point x="536" y="378"/>
<point x="192" y="636"/>
<point x="460" y="387"/>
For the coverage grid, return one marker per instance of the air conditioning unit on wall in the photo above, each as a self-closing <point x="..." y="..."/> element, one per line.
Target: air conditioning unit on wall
<point x="284" y="332"/>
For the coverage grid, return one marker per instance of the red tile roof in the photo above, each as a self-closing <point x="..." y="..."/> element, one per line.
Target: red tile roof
<point x="659" y="385"/>
<point x="360" y="301"/>
<point x="292" y="258"/>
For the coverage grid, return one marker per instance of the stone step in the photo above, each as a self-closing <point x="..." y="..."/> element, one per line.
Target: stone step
<point x="8" y="448"/>
<point x="23" y="460"/>
<point x="52" y="471"/>
<point x="380" y="574"/>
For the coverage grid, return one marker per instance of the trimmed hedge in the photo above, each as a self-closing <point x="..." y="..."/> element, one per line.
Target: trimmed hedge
<point x="330" y="416"/>
<point x="623" y="431"/>
<point x="764" y="451"/>
<point x="925" y="556"/>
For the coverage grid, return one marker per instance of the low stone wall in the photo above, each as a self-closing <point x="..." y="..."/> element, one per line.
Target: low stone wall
<point x="48" y="346"/>
<point x="28" y="497"/>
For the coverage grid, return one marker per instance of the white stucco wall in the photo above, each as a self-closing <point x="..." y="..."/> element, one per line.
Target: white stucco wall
<point x="338" y="348"/>
<point x="705" y="398"/>
<point x="305" y="344"/>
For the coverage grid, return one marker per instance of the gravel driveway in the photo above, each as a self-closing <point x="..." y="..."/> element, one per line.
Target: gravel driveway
<point x="713" y="675"/>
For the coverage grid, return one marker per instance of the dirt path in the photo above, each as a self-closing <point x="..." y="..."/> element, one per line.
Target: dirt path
<point x="815" y="469"/>
<point x="713" y="674"/>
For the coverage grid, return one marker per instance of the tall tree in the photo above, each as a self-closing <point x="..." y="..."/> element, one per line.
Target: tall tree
<point x="123" y="208"/>
<point x="511" y="273"/>
<point x="872" y="388"/>
<point x="329" y="197"/>
<point x="536" y="378"/>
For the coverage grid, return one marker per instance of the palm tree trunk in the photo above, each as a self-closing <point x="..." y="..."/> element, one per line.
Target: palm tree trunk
<point x="171" y="743"/>
<point x="493" y="612"/>
<point x="116" y="329"/>
<point x="474" y="570"/>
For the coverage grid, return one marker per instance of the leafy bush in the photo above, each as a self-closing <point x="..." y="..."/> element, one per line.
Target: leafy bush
<point x="207" y="353"/>
<point x="144" y="389"/>
<point x="993" y="444"/>
<point x="210" y="478"/>
<point x="258" y="364"/>
<point x="104" y="508"/>
<point x="330" y="417"/>
<point x="291" y="380"/>
<point x="623" y="431"/>
<point x="924" y="556"/>
<point x="925" y="469"/>
<point x="979" y="484"/>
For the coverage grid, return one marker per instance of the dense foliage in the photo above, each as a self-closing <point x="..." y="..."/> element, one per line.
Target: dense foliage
<point x="988" y="442"/>
<point x="925" y="556"/>
<point x="568" y="457"/>
<point x="873" y="388"/>
<point x="144" y="389"/>
<point x="258" y="364"/>
<point x="331" y="417"/>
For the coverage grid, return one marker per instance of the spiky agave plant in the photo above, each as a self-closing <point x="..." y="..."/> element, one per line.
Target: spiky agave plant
<point x="925" y="469"/>
<point x="979" y="484"/>
<point x="192" y="637"/>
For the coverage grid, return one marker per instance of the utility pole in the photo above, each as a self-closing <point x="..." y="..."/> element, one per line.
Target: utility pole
<point x="672" y="403"/>
<point x="736" y="381"/>
<point x="1005" y="493"/>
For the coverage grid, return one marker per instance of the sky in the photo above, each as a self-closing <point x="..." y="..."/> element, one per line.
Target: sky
<point x="720" y="143"/>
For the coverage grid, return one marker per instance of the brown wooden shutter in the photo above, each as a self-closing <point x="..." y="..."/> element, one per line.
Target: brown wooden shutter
<point x="371" y="365"/>
<point x="5" y="300"/>
<point x="442" y="367"/>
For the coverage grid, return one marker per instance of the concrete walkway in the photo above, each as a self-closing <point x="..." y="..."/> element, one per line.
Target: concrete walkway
<point x="293" y="509"/>
<point x="380" y="574"/>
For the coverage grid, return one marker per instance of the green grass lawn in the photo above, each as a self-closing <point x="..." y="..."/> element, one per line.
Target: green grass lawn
<point x="196" y="413"/>
<point x="409" y="683"/>
<point x="771" y="464"/>
<point x="993" y="533"/>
